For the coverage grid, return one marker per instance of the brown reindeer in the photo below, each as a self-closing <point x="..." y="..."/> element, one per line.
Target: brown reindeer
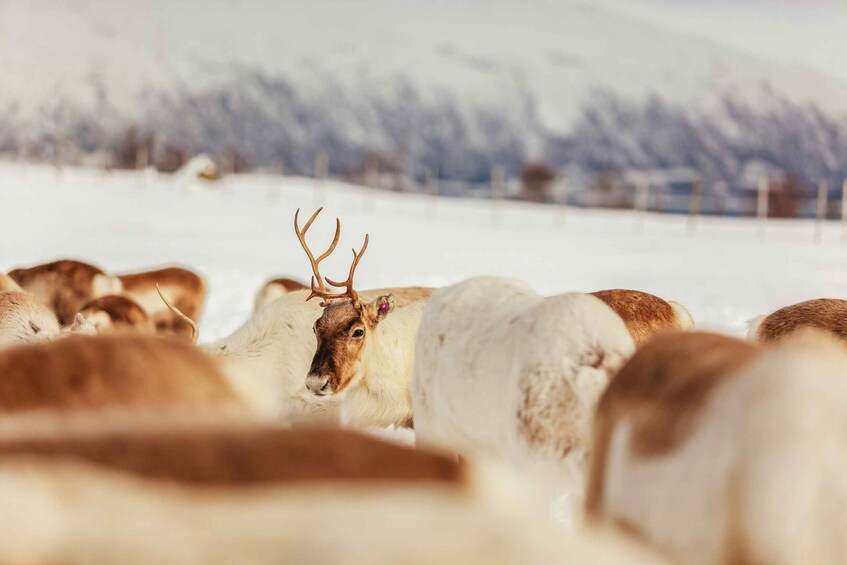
<point x="275" y="288"/>
<point x="645" y="314"/>
<point x="80" y="373"/>
<point x="185" y="289"/>
<point x="827" y="314"/>
<point x="118" y="313"/>
<point x="65" y="285"/>
<point x="206" y="449"/>
<point x="396" y="504"/>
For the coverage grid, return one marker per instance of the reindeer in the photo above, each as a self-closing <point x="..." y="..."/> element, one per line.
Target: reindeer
<point x="826" y="314"/>
<point x="221" y="448"/>
<point x="275" y="288"/>
<point x="83" y="372"/>
<point x="184" y="288"/>
<point x="65" y="285"/>
<point x="272" y="352"/>
<point x="503" y="371"/>
<point x="25" y="319"/>
<point x="645" y="314"/>
<point x="397" y="504"/>
<point x="718" y="451"/>
<point x="118" y="313"/>
<point x="363" y="357"/>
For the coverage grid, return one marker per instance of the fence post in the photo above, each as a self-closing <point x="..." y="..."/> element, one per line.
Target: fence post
<point x="498" y="189"/>
<point x="560" y="197"/>
<point x="371" y="174"/>
<point x="762" y="204"/>
<point x="431" y="188"/>
<point x="823" y="196"/>
<point x="57" y="162"/>
<point x="642" y="197"/>
<point x="142" y="158"/>
<point x="844" y="210"/>
<point x="694" y="205"/>
<point x="321" y="170"/>
<point x="275" y="180"/>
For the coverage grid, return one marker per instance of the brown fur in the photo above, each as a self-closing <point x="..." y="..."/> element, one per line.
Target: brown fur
<point x="122" y="312"/>
<point x="184" y="288"/>
<point x="243" y="455"/>
<point x="662" y="391"/>
<point x="644" y="314"/>
<point x="7" y="284"/>
<point x="63" y="285"/>
<point x="120" y="370"/>
<point x="827" y="314"/>
<point x="337" y="352"/>
<point x="545" y="394"/>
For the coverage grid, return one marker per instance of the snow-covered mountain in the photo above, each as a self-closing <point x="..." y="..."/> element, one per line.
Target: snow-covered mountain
<point x="453" y="84"/>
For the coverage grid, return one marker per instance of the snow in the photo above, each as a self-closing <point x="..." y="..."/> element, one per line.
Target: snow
<point x="239" y="232"/>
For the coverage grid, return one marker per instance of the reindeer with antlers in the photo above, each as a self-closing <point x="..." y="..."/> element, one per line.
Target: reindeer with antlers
<point x="269" y="355"/>
<point x="363" y="355"/>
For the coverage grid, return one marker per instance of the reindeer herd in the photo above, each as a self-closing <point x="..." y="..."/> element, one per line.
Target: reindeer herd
<point x="122" y="440"/>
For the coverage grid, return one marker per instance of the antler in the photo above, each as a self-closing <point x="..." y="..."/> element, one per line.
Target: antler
<point x="321" y="289"/>
<point x="195" y="331"/>
<point x="318" y="287"/>
<point x="348" y="284"/>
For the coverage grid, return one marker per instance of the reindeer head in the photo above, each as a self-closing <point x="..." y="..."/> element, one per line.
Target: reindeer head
<point x="344" y="328"/>
<point x="343" y="333"/>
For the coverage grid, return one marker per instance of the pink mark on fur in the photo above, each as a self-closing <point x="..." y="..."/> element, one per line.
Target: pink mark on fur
<point x="383" y="307"/>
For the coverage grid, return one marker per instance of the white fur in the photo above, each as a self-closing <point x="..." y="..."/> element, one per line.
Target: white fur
<point x="380" y="392"/>
<point x="684" y="319"/>
<point x="268" y="358"/>
<point x="765" y="464"/>
<point x="74" y="514"/>
<point x="80" y="326"/>
<point x="482" y="342"/>
<point x="24" y="319"/>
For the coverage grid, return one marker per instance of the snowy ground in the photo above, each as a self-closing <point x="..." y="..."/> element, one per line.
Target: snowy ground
<point x="239" y="232"/>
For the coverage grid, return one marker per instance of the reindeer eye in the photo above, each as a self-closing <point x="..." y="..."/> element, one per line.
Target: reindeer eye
<point x="358" y="332"/>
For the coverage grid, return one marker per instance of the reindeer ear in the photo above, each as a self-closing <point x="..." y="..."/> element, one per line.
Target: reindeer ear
<point x="382" y="306"/>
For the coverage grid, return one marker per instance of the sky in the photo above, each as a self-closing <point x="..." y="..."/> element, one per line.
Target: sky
<point x="810" y="32"/>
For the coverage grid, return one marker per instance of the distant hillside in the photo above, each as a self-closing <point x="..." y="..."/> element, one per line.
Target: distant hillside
<point x="456" y="86"/>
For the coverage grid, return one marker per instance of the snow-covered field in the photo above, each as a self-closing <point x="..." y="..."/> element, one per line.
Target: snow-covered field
<point x="239" y="232"/>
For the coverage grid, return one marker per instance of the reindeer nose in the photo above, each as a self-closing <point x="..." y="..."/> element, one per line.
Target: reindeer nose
<point x="318" y="384"/>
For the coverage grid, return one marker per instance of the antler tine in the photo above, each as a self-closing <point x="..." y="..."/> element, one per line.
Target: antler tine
<point x="301" y="235"/>
<point x="348" y="284"/>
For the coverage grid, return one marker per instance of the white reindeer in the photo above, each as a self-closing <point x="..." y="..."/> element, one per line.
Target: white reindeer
<point x="501" y="370"/>
<point x="720" y="452"/>
<point x="364" y="356"/>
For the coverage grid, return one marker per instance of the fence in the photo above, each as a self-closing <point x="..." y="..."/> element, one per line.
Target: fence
<point x="673" y="192"/>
